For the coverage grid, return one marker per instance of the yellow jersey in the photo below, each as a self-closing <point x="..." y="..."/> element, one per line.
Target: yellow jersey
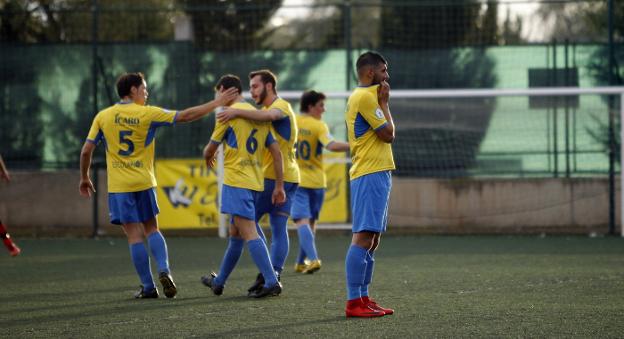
<point x="285" y="132"/>
<point x="369" y="154"/>
<point x="128" y="131"/>
<point x="244" y="147"/>
<point x="312" y="136"/>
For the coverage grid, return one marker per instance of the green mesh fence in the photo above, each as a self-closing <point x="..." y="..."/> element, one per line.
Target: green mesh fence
<point x="47" y="74"/>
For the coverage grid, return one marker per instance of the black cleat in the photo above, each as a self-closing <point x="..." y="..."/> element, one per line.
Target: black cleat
<point x="168" y="285"/>
<point x="272" y="291"/>
<point x="143" y="294"/>
<point x="257" y="285"/>
<point x="208" y="280"/>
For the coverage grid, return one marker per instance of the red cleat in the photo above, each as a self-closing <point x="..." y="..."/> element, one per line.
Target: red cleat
<point x="373" y="305"/>
<point x="357" y="308"/>
<point x="10" y="245"/>
<point x="15" y="251"/>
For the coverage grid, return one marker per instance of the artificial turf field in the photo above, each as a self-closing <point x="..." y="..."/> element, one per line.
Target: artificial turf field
<point x="440" y="286"/>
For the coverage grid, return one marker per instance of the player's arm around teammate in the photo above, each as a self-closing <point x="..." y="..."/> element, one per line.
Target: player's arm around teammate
<point x="128" y="131"/>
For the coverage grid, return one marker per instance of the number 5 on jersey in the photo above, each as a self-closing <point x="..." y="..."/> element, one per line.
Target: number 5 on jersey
<point x="124" y="139"/>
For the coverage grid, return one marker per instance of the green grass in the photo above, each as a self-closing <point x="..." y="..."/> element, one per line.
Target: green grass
<point x="439" y="287"/>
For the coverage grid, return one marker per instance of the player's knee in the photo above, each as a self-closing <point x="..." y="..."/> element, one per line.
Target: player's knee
<point x="363" y="240"/>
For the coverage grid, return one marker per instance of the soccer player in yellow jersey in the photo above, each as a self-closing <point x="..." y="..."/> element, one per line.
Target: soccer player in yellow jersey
<point x="245" y="142"/>
<point x="262" y="86"/>
<point x="128" y="130"/>
<point x="370" y="131"/>
<point x="312" y="138"/>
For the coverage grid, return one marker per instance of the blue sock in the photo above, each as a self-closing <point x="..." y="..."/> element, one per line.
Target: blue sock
<point x="301" y="256"/>
<point x="261" y="233"/>
<point x="230" y="258"/>
<point x="141" y="261"/>
<point x="158" y="246"/>
<point x="355" y="267"/>
<point x="368" y="276"/>
<point x="279" y="241"/>
<point x="306" y="240"/>
<point x="260" y="256"/>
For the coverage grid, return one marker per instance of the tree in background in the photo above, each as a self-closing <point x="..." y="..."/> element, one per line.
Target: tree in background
<point x="440" y="45"/>
<point x="588" y="22"/>
<point x="46" y="89"/>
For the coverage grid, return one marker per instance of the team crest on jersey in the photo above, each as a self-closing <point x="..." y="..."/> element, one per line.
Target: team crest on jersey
<point x="379" y="113"/>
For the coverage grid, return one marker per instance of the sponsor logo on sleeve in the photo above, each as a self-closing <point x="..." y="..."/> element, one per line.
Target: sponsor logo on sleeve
<point x="379" y="113"/>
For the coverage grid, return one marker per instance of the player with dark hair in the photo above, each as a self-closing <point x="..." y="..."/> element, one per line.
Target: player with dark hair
<point x="278" y="111"/>
<point x="370" y="130"/>
<point x="128" y="130"/>
<point x="6" y="238"/>
<point x="312" y="138"/>
<point x="245" y="142"/>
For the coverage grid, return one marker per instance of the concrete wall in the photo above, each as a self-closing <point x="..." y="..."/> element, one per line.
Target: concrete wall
<point x="49" y="201"/>
<point x="501" y="205"/>
<point x="44" y="203"/>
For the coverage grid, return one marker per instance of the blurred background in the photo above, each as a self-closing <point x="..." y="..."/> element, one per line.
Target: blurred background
<point x="59" y="60"/>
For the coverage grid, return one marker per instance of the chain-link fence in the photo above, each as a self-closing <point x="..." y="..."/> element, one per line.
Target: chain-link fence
<point x="59" y="61"/>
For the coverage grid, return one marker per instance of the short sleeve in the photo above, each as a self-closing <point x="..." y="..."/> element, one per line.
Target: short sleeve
<point x="95" y="133"/>
<point x="282" y="106"/>
<point x="324" y="135"/>
<point x="371" y="112"/>
<point x="161" y="117"/>
<point x="219" y="132"/>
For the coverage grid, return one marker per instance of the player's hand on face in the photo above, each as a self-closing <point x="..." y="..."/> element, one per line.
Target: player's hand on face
<point x="223" y="97"/>
<point x="278" y="197"/>
<point x="226" y="115"/>
<point x="86" y="188"/>
<point x="383" y="92"/>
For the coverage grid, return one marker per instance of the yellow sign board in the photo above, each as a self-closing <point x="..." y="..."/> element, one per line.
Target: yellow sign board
<point x="187" y="194"/>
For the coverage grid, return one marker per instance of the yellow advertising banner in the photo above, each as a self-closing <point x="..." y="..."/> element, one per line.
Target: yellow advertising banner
<point x="188" y="193"/>
<point x="336" y="204"/>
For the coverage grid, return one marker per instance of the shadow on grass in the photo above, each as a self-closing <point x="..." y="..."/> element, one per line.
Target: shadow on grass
<point x="103" y="309"/>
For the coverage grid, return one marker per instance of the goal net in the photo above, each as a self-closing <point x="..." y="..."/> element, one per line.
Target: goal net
<point x="557" y="136"/>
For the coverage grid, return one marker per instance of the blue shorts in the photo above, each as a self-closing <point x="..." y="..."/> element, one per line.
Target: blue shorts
<point x="239" y="201"/>
<point x="132" y="207"/>
<point x="307" y="203"/>
<point x="263" y="200"/>
<point x="370" y="195"/>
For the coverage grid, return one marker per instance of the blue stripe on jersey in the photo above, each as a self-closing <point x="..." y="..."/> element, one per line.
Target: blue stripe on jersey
<point x="230" y="138"/>
<point x="382" y="126"/>
<point x="319" y="148"/>
<point x="361" y="125"/>
<point x="269" y="140"/>
<point x="282" y="127"/>
<point x="98" y="138"/>
<point x="151" y="133"/>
